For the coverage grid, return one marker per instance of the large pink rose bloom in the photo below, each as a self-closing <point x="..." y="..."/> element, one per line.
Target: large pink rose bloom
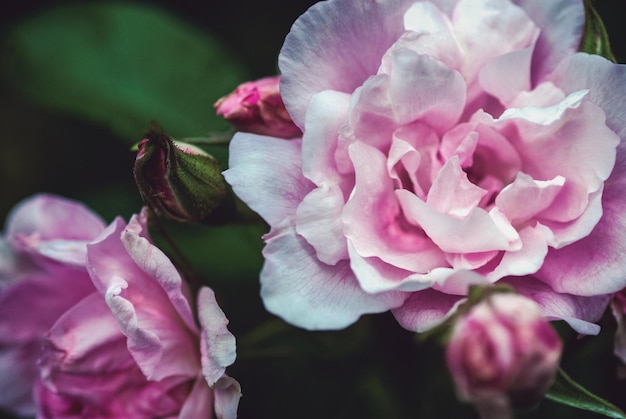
<point x="440" y="137"/>
<point x="42" y="274"/>
<point x="132" y="349"/>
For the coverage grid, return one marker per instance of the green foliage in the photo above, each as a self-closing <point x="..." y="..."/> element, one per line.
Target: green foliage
<point x="121" y="65"/>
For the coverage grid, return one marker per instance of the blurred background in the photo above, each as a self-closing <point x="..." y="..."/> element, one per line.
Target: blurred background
<point x="79" y="83"/>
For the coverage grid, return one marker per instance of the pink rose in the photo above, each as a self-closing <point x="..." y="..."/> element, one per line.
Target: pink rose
<point x="42" y="274"/>
<point x="133" y="349"/>
<point x="440" y="137"/>
<point x="256" y="106"/>
<point x="503" y="354"/>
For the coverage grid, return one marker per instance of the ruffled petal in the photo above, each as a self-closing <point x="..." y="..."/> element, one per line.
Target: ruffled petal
<point x="490" y="28"/>
<point x="426" y="309"/>
<point x="476" y="232"/>
<point x="373" y="221"/>
<point x="599" y="258"/>
<point x="227" y="393"/>
<point x="331" y="35"/>
<point x="325" y="116"/>
<point x="603" y="79"/>
<point x="561" y="23"/>
<point x="29" y="307"/>
<point x="529" y="258"/>
<point x="86" y="340"/>
<point x="318" y="220"/>
<point x="296" y="286"/>
<point x="375" y="275"/>
<point x="199" y="403"/>
<point x="266" y="174"/>
<point x="50" y="217"/>
<point x="144" y="293"/>
<point x="507" y="75"/>
<point x="452" y="193"/>
<point x="217" y="343"/>
<point x="19" y="371"/>
<point x="579" y="312"/>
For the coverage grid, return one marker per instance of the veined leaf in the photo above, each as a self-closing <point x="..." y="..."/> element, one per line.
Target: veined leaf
<point x="567" y="391"/>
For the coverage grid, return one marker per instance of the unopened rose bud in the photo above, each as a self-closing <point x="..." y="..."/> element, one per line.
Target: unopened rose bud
<point x="503" y="354"/>
<point x="257" y="107"/>
<point x="178" y="180"/>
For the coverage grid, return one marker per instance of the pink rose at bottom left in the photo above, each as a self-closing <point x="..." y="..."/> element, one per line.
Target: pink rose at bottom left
<point x="42" y="275"/>
<point x="130" y="348"/>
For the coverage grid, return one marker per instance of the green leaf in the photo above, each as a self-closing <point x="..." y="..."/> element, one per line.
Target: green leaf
<point x="122" y="65"/>
<point x="595" y="39"/>
<point x="567" y="391"/>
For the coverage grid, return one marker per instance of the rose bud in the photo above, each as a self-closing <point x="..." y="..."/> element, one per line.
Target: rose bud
<point x="178" y="180"/>
<point x="502" y="354"/>
<point x="257" y="107"/>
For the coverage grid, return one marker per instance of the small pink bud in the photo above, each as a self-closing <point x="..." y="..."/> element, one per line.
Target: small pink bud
<point x="503" y="353"/>
<point x="257" y="107"/>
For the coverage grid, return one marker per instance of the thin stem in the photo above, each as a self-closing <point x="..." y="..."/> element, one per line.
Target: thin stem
<point x="184" y="264"/>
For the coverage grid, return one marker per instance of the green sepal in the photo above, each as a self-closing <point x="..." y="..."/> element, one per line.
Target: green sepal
<point x="183" y="185"/>
<point x="567" y="391"/>
<point x="595" y="40"/>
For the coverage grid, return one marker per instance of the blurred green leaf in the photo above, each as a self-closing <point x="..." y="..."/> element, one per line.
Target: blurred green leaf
<point x="595" y="39"/>
<point x="122" y="65"/>
<point x="567" y="391"/>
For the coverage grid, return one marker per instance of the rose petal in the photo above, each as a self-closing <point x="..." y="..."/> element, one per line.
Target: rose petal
<point x="507" y="75"/>
<point x="373" y="222"/>
<point x="19" y="371"/>
<point x="561" y="23"/>
<point x="526" y="197"/>
<point x="51" y="217"/>
<point x="602" y="78"/>
<point x="266" y="173"/>
<point x="488" y="28"/>
<point x="426" y="309"/>
<point x="296" y="286"/>
<point x="476" y="232"/>
<point x="325" y="116"/>
<point x="429" y="32"/>
<point x="227" y="393"/>
<point x="85" y="340"/>
<point x="323" y="207"/>
<point x="374" y="275"/>
<point x="452" y="193"/>
<point x="30" y="306"/>
<point x="579" y="312"/>
<point x="199" y="403"/>
<point x="330" y="35"/>
<point x="599" y="258"/>
<point x="217" y="343"/>
<point x="145" y="296"/>
<point x="419" y="88"/>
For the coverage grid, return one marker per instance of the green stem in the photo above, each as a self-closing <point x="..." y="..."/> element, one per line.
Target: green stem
<point x="183" y="264"/>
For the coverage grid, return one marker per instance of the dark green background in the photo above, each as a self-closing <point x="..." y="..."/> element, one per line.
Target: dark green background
<point x="373" y="369"/>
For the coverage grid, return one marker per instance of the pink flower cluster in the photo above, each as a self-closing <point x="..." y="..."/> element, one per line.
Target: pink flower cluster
<point x="440" y="137"/>
<point x="95" y="321"/>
